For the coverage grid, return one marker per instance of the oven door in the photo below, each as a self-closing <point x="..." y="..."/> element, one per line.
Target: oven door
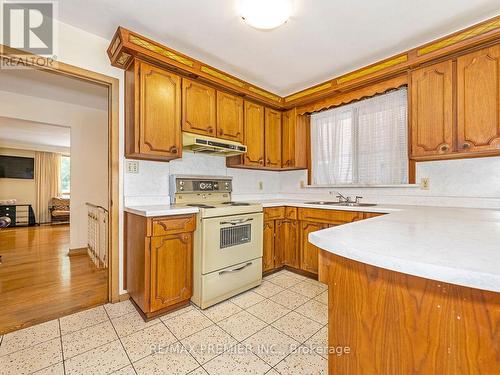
<point x="230" y="240"/>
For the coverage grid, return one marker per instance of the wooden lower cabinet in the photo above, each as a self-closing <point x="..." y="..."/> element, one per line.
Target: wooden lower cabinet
<point x="171" y="270"/>
<point x="280" y="238"/>
<point x="308" y="252"/>
<point x="287" y="243"/>
<point x="159" y="263"/>
<point x="268" y="250"/>
<point x="286" y="231"/>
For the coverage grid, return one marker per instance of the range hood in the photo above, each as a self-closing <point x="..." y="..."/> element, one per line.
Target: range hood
<point x="209" y="145"/>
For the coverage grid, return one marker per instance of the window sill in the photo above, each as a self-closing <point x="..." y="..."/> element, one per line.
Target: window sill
<point x="399" y="186"/>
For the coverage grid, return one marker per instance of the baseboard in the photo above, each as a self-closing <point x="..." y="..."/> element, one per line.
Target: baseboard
<point x="77" y="251"/>
<point x="123" y="297"/>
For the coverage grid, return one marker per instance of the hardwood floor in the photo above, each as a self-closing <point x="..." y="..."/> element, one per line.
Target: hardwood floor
<point x="40" y="282"/>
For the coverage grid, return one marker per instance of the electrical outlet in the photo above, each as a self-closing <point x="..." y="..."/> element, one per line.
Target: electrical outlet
<point x="261" y="185"/>
<point x="424" y="183"/>
<point x="132" y="166"/>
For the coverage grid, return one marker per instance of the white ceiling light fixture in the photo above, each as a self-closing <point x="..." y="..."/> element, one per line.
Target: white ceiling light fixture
<point x="265" y="14"/>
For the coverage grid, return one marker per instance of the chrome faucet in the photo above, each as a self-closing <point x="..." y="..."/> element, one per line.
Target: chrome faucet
<point x="341" y="197"/>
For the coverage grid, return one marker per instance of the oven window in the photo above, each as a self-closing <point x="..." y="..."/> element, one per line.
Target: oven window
<point x="234" y="236"/>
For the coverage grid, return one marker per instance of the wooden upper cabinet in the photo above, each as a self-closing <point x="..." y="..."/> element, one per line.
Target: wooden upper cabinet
<point x="198" y="108"/>
<point x="432" y="110"/>
<point x="273" y="138"/>
<point x="254" y="134"/>
<point x="229" y="117"/>
<point x="478" y="100"/>
<point x="153" y="113"/>
<point x="294" y="138"/>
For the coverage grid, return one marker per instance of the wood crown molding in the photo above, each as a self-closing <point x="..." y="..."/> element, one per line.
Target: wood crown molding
<point x="127" y="45"/>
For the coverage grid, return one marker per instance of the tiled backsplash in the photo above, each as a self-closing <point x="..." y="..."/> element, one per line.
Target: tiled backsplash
<point x="466" y="183"/>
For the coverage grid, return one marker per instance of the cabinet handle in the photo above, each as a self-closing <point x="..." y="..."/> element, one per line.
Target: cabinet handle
<point x="173" y="150"/>
<point x="221" y="131"/>
<point x="210" y="129"/>
<point x="445" y="147"/>
<point x="236" y="269"/>
<point x="466" y="145"/>
<point x="261" y="161"/>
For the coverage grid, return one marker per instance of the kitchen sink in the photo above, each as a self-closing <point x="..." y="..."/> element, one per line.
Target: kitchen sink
<point x="322" y="202"/>
<point x="343" y="204"/>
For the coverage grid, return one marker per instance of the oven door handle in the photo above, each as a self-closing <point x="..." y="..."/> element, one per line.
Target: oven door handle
<point x="236" y="222"/>
<point x="236" y="269"/>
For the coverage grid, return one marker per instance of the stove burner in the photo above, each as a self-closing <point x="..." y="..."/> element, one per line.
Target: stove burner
<point x="200" y="205"/>
<point x="237" y="203"/>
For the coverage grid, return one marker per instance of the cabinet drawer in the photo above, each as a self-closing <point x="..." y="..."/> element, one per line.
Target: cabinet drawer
<point x="291" y="213"/>
<point x="274" y="213"/>
<point x="319" y="215"/>
<point x="173" y="225"/>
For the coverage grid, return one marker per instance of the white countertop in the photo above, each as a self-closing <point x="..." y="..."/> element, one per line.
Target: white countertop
<point x="454" y="245"/>
<point x="160" y="210"/>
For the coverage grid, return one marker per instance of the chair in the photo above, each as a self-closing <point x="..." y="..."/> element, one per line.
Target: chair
<point x="59" y="210"/>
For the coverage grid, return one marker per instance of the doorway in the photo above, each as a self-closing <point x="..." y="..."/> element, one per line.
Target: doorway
<point x="58" y="266"/>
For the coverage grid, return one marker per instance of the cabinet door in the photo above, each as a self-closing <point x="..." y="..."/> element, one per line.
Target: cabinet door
<point x="159" y="112"/>
<point x="289" y="125"/>
<point x="268" y="250"/>
<point x="308" y="252"/>
<point x="198" y="108"/>
<point x="171" y="270"/>
<point x="287" y="249"/>
<point x="273" y="138"/>
<point x="478" y="100"/>
<point x="254" y="134"/>
<point x="229" y="117"/>
<point x="432" y="110"/>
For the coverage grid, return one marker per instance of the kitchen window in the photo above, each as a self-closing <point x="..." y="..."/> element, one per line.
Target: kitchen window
<point x="363" y="143"/>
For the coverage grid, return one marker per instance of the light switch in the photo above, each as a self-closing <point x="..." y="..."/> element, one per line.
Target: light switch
<point x="261" y="185"/>
<point x="132" y="166"/>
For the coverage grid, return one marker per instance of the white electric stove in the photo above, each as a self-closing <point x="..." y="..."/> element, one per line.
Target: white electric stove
<point x="228" y="239"/>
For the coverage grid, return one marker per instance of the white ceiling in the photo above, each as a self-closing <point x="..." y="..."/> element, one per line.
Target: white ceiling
<point x="54" y="87"/>
<point x="323" y="39"/>
<point x="16" y="133"/>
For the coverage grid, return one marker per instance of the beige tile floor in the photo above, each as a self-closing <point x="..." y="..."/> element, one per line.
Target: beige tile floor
<point x="279" y="327"/>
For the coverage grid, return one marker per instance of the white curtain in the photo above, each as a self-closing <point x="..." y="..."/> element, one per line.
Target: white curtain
<point x="48" y="182"/>
<point x="362" y="143"/>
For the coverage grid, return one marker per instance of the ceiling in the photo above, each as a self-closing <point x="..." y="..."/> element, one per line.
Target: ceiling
<point x="323" y="39"/>
<point x="32" y="135"/>
<point x="56" y="87"/>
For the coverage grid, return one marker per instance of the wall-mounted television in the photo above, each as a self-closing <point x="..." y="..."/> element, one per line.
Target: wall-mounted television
<point x="17" y="167"/>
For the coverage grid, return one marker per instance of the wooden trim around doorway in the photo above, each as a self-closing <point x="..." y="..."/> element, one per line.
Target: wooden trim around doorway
<point x="112" y="84"/>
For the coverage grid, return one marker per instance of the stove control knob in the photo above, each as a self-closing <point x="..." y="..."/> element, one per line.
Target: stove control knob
<point x="216" y="186"/>
<point x="181" y="183"/>
<point x="181" y="188"/>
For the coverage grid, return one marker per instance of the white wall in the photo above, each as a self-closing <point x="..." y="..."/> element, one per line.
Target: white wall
<point x="89" y="151"/>
<point x="151" y="184"/>
<point x="459" y="183"/>
<point x="12" y="188"/>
